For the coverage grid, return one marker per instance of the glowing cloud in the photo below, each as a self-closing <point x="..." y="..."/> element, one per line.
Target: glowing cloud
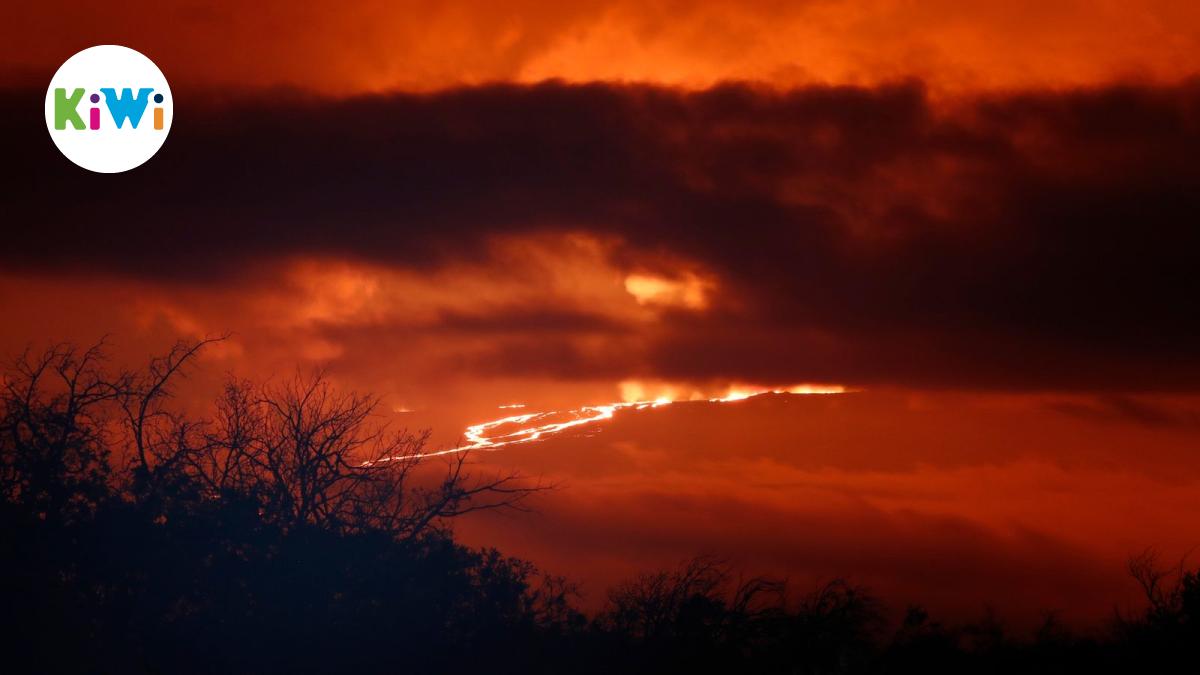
<point x="690" y="291"/>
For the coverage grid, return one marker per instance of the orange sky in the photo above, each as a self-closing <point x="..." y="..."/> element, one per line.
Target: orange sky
<point x="372" y="45"/>
<point x="998" y="278"/>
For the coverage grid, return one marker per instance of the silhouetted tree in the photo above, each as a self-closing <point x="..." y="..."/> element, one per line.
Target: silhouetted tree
<point x="695" y="617"/>
<point x="310" y="455"/>
<point x="139" y="538"/>
<point x="1170" y="625"/>
<point x="55" y="439"/>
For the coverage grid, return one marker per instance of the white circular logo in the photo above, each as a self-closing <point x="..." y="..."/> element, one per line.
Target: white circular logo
<point x="108" y="108"/>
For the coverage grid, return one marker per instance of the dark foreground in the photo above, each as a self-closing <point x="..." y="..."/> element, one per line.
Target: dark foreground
<point x="257" y="540"/>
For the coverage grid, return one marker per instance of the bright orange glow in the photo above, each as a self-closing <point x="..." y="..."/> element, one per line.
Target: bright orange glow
<point x="363" y="45"/>
<point x="530" y="427"/>
<point x="689" y="291"/>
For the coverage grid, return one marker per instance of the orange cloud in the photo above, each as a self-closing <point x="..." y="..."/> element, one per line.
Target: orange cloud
<point x="689" y="292"/>
<point x="366" y="45"/>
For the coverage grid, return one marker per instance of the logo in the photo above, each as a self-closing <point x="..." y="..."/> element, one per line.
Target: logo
<point x="108" y="109"/>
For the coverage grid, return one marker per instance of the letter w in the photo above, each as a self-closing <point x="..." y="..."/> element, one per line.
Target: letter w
<point x="127" y="105"/>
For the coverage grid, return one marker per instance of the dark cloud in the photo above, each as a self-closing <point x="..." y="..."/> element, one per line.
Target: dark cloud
<point x="509" y="320"/>
<point x="866" y="235"/>
<point x="1129" y="409"/>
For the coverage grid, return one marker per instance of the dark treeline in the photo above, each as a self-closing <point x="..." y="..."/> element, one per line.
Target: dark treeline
<point x="288" y="531"/>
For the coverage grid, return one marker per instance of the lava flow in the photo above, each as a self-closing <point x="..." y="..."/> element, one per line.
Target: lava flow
<point x="529" y="427"/>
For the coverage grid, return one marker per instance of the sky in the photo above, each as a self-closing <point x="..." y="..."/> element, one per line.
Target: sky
<point x="977" y="221"/>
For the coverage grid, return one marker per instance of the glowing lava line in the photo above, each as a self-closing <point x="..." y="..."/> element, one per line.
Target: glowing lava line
<point x="530" y="427"/>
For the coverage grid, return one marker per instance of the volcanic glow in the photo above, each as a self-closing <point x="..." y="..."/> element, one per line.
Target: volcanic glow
<point x="529" y="427"/>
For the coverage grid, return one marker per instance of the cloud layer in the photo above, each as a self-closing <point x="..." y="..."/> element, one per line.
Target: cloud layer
<point x="865" y="235"/>
<point x="366" y="45"/>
